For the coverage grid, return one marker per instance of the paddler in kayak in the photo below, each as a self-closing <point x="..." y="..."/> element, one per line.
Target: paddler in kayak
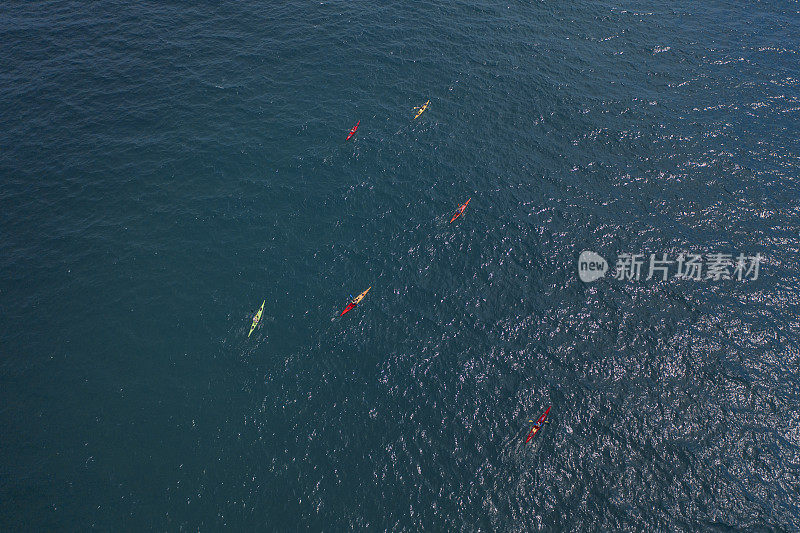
<point x="537" y="426"/>
<point x="353" y="131"/>
<point x="421" y="109"/>
<point x="460" y="210"/>
<point x="256" y="319"/>
<point x="355" y="301"/>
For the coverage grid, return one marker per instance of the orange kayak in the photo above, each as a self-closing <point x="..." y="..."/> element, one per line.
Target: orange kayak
<point x="460" y="211"/>
<point x="355" y="302"/>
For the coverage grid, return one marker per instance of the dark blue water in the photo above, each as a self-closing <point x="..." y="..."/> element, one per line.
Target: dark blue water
<point x="165" y="167"/>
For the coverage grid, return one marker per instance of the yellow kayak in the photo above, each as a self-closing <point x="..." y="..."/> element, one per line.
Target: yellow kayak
<point x="422" y="109"/>
<point x="256" y="319"/>
<point x="355" y="302"/>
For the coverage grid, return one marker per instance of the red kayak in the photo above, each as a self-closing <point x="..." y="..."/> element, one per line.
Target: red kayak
<point x="353" y="131"/>
<point x="355" y="301"/>
<point x="537" y="426"/>
<point x="460" y="211"/>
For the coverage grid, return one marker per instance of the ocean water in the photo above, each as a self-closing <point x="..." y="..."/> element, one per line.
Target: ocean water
<point x="166" y="166"/>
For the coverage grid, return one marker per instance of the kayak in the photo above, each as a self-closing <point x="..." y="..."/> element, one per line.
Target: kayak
<point x="459" y="211"/>
<point x="256" y="319"/>
<point x="422" y="109"/>
<point x="355" y="302"/>
<point x="353" y="131"/>
<point x="537" y="426"/>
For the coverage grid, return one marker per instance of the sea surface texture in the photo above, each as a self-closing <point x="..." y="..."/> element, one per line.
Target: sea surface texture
<point x="167" y="166"/>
